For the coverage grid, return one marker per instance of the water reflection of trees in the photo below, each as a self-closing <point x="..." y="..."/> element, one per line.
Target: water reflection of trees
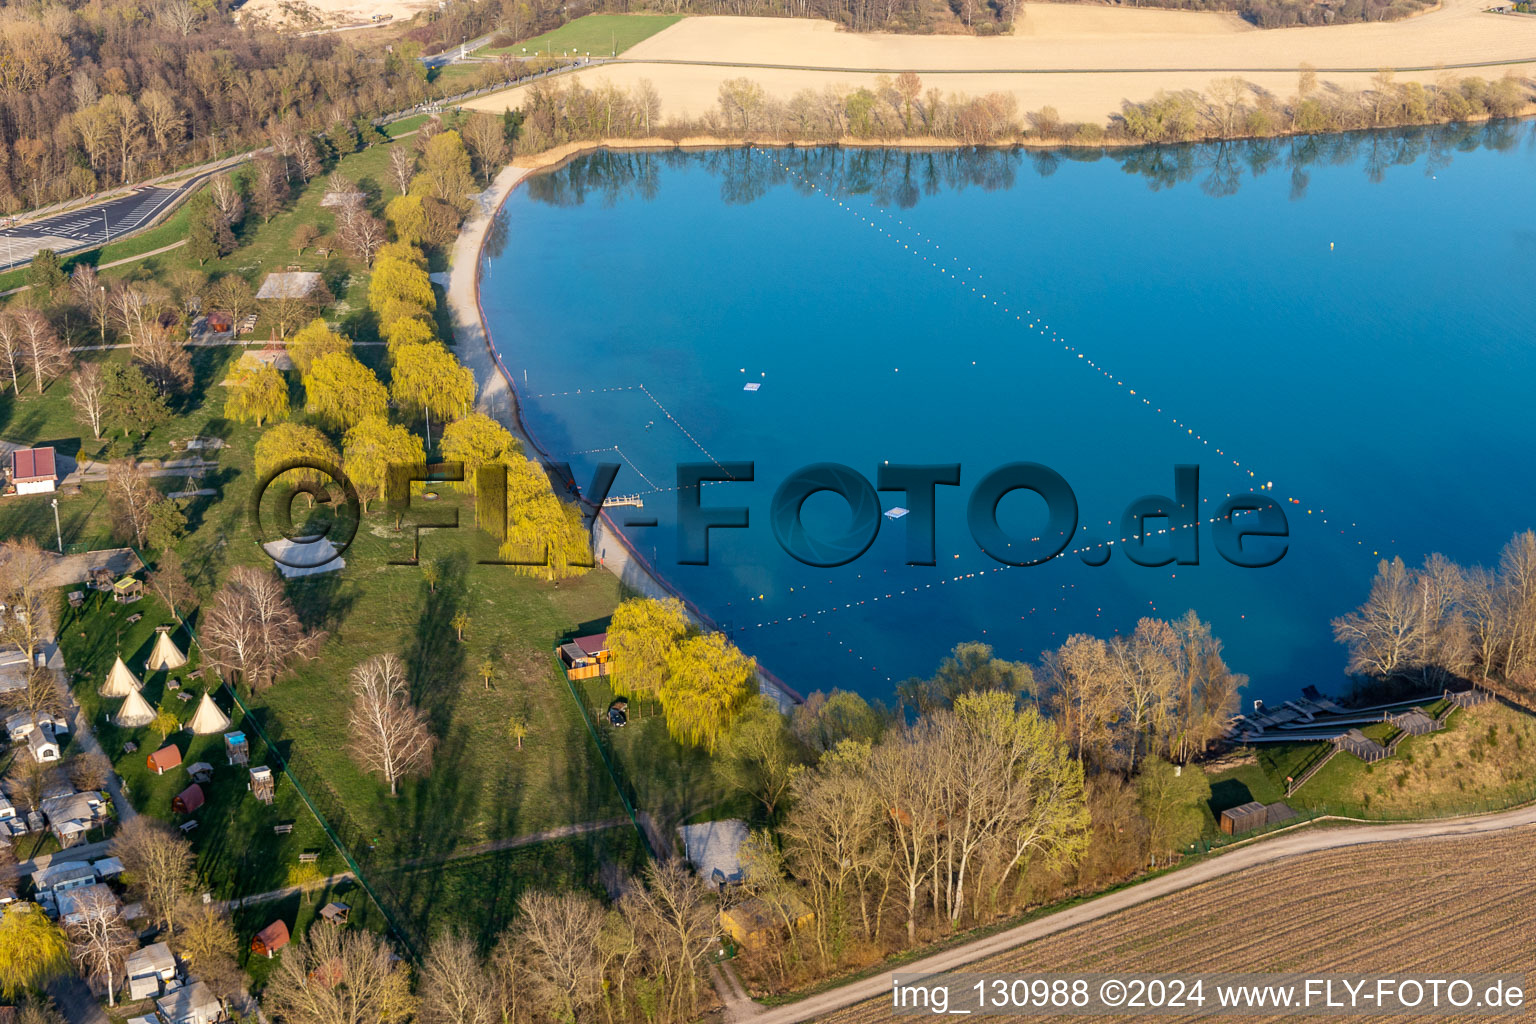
<point x="900" y="177"/>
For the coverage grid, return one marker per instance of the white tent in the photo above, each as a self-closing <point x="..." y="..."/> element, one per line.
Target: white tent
<point x="304" y="557"/>
<point x="208" y="719"/>
<point x="135" y="711"/>
<point x="120" y="681"/>
<point x="166" y="655"/>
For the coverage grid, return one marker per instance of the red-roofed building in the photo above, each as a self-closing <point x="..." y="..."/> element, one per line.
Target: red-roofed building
<point x="585" y="656"/>
<point x="270" y="939"/>
<point x="34" y="470"/>
<point x="164" y="759"/>
<point x="188" y="800"/>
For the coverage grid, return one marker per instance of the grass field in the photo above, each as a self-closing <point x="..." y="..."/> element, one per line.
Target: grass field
<point x="483" y="789"/>
<point x="1480" y="761"/>
<point x="676" y="785"/>
<point x="1427" y="908"/>
<point x="596" y="34"/>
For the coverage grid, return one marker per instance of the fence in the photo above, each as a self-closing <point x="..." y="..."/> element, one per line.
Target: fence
<point x="334" y="811"/>
<point x="621" y="783"/>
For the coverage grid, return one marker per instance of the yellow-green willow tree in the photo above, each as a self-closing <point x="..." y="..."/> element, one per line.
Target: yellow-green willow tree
<point x="258" y="392"/>
<point x="708" y="683"/>
<point x="370" y="448"/>
<point x="641" y="634"/>
<point x="343" y="392"/>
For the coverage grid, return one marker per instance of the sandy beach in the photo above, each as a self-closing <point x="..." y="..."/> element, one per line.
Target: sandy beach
<point x="1085" y="61"/>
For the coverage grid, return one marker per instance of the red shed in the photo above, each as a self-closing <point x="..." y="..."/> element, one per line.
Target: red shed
<point x="188" y="800"/>
<point x="164" y="759"/>
<point x="270" y="939"/>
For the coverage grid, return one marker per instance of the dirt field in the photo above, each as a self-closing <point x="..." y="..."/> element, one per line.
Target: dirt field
<point x="1111" y="54"/>
<point x="1426" y="907"/>
<point x="316" y="14"/>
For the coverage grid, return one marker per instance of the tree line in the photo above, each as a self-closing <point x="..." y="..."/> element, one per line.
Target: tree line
<point x="1443" y="624"/>
<point x="901" y="177"/>
<point x="989" y="786"/>
<point x="901" y="108"/>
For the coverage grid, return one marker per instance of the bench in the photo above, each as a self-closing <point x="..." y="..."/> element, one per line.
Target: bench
<point x="187" y="826"/>
<point x="282" y="830"/>
<point x="308" y="857"/>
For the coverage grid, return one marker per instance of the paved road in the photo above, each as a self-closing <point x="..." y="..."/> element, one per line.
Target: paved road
<point x="89" y="227"/>
<point x="1266" y="851"/>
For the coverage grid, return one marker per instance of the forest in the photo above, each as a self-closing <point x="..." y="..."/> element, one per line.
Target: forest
<point x="107" y="93"/>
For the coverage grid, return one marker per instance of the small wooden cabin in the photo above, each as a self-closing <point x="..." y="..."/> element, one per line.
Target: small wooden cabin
<point x="270" y="939"/>
<point x="164" y="759"/>
<point x="128" y="590"/>
<point x="262" y="785"/>
<point x="237" y="748"/>
<point x="1243" y="818"/>
<point x="752" y="924"/>
<point x="188" y="800"/>
<point x="585" y="656"/>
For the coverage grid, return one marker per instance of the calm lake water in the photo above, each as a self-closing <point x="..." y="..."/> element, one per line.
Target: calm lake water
<point x="1346" y="318"/>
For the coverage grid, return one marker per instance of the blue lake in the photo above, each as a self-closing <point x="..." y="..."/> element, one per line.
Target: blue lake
<point x="1346" y="318"/>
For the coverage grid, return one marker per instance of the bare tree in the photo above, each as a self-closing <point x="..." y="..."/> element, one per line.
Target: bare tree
<point x="13" y="350"/>
<point x="674" y="924"/>
<point x="98" y="939"/>
<point x="130" y="497"/>
<point x="306" y="157"/>
<point x="402" y="168"/>
<point x="455" y="986"/>
<point x="360" y="232"/>
<point x="28" y="780"/>
<point x="179" y="14"/>
<point x="164" y="360"/>
<point x="46" y="356"/>
<point x="233" y="294"/>
<point x="89" y="770"/>
<point x="269" y="186"/>
<point x="227" y="199"/>
<point x="389" y="734"/>
<point x="40" y="693"/>
<point x="1385" y="632"/>
<point x="27" y="620"/>
<point x="169" y="582"/>
<point x="159" y="861"/>
<point x="252" y="630"/>
<point x="560" y="933"/>
<point x="487" y="140"/>
<point x="87" y="393"/>
<point x="333" y="976"/>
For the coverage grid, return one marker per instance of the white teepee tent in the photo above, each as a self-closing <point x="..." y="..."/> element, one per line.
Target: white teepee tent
<point x="208" y="719"/>
<point x="135" y="711"/>
<point x="166" y="655"/>
<point x="120" y="681"/>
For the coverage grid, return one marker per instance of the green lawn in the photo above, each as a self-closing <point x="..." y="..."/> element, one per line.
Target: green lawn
<point x="1480" y="761"/>
<point x="600" y="35"/>
<point x="674" y="784"/>
<point x="238" y="852"/>
<point x="481" y="789"/>
<point x="479" y="894"/>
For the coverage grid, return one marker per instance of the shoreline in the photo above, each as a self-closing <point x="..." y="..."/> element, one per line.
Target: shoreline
<point x="498" y="398"/>
<point x="558" y="156"/>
